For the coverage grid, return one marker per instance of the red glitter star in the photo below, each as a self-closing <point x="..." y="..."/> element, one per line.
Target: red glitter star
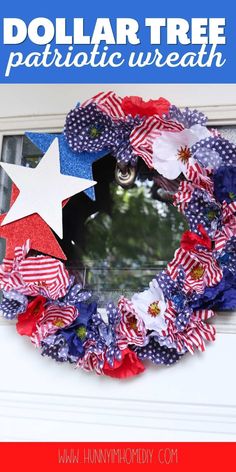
<point x="31" y="227"/>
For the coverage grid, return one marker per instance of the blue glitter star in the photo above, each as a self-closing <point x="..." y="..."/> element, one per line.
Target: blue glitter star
<point x="72" y="163"/>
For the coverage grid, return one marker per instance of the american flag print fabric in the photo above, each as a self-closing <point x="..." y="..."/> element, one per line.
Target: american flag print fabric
<point x="198" y="178"/>
<point x="228" y="229"/>
<point x="200" y="268"/>
<point x="131" y="328"/>
<point x="194" y="335"/>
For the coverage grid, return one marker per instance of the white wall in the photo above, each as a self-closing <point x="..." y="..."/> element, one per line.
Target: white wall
<point x="42" y="400"/>
<point x="28" y="99"/>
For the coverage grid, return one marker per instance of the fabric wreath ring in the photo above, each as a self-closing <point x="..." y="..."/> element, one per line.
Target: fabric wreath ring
<point x="171" y="317"/>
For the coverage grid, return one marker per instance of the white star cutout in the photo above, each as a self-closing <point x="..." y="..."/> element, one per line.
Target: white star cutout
<point x="43" y="189"/>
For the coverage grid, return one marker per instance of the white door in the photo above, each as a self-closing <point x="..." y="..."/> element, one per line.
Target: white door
<point x="41" y="400"/>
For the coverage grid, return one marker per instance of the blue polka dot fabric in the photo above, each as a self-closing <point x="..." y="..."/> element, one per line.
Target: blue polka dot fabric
<point x="227" y="258"/>
<point x="13" y="303"/>
<point x="56" y="347"/>
<point x="103" y="334"/>
<point x="75" y="295"/>
<point x="187" y="117"/>
<point x="158" y="354"/>
<point x="226" y="151"/>
<point x="89" y="129"/>
<point x="203" y="209"/>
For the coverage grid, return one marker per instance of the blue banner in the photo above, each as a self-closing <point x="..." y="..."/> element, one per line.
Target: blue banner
<point x="118" y="42"/>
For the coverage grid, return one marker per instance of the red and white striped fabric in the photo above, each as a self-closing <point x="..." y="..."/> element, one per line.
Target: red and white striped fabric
<point x="10" y="264"/>
<point x="200" y="175"/>
<point x="228" y="229"/>
<point x="232" y="207"/>
<point x="222" y="236"/>
<point x="40" y="275"/>
<point x="109" y="102"/>
<point x="143" y="135"/>
<point x="52" y="319"/>
<point x="131" y="329"/>
<point x="203" y="314"/>
<point x="184" y="195"/>
<point x="201" y="269"/>
<point x="93" y="359"/>
<point x="198" y="178"/>
<point x="195" y="332"/>
<point x="228" y="212"/>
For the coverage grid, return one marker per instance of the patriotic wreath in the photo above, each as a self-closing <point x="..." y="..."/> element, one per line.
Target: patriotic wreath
<point x="170" y="318"/>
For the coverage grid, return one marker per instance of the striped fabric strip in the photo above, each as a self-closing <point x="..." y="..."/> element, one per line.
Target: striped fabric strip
<point x="184" y="195"/>
<point x="232" y="207"/>
<point x="92" y="360"/>
<point x="194" y="334"/>
<point x="228" y="211"/>
<point x="228" y="229"/>
<point x="198" y="178"/>
<point x="204" y="314"/>
<point x="109" y="102"/>
<point x="200" y="175"/>
<point x="20" y="253"/>
<point x="212" y="273"/>
<point x="52" y="319"/>
<point x="40" y="275"/>
<point x="131" y="328"/>
<point x="222" y="237"/>
<point x="143" y="135"/>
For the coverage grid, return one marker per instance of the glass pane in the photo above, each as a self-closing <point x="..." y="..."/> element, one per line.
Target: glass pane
<point x="11" y="152"/>
<point x="126" y="248"/>
<point x="229" y="132"/>
<point x="127" y="235"/>
<point x="31" y="155"/>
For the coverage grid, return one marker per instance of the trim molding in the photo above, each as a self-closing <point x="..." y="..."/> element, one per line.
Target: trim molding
<point x="113" y="412"/>
<point x="217" y="114"/>
<point x="19" y="124"/>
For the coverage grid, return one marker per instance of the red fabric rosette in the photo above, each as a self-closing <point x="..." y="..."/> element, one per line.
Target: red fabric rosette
<point x="27" y="322"/>
<point x="128" y="366"/>
<point x="190" y="240"/>
<point x="137" y="106"/>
